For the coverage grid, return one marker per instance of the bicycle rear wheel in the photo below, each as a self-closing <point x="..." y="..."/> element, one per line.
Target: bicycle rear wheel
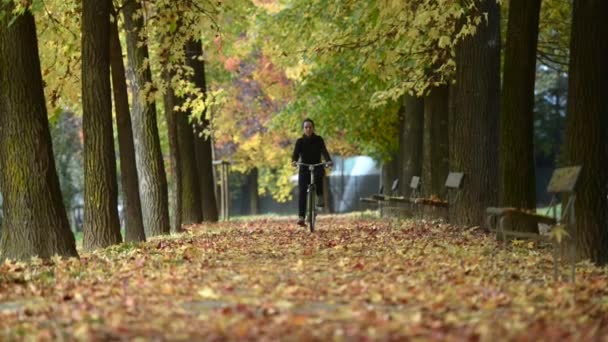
<point x="310" y="203"/>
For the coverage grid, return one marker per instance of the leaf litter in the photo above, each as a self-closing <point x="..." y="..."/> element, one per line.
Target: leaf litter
<point x="353" y="279"/>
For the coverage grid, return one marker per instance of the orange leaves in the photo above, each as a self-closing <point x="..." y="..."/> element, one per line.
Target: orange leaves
<point x="353" y="279"/>
<point x="232" y="64"/>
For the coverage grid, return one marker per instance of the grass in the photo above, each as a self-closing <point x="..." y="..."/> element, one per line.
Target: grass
<point x="548" y="210"/>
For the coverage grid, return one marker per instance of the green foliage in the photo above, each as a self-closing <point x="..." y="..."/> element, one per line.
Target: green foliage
<point x="352" y="61"/>
<point x="407" y="45"/>
<point x="342" y="112"/>
<point x="58" y="26"/>
<point x="554" y="34"/>
<point x="346" y="64"/>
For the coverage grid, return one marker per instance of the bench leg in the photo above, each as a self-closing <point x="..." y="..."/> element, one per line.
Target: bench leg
<point x="501" y="226"/>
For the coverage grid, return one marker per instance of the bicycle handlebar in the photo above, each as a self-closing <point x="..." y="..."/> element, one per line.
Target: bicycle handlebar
<point x="313" y="165"/>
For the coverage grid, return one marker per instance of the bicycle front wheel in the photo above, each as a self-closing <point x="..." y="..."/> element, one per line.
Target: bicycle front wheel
<point x="311" y="207"/>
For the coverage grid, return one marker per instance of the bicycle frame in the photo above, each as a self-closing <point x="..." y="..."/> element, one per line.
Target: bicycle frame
<point x="310" y="198"/>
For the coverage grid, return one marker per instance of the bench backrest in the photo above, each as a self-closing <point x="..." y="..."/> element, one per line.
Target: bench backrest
<point x="564" y="179"/>
<point x="415" y="187"/>
<point x="415" y="183"/>
<point x="395" y="186"/>
<point x="454" y="180"/>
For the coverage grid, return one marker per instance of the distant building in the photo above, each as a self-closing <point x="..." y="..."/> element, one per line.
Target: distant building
<point x="350" y="179"/>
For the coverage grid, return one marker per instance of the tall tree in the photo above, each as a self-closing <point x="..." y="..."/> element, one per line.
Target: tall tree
<point x="101" y="224"/>
<point x="436" y="141"/>
<point x="586" y="125"/>
<point x="194" y="55"/>
<point x="35" y="222"/>
<point x="134" y="226"/>
<point x="192" y="210"/>
<point x="474" y="111"/>
<point x="191" y="201"/>
<point x="411" y="142"/>
<point x="516" y="151"/>
<point x="148" y="156"/>
<point x="170" y="101"/>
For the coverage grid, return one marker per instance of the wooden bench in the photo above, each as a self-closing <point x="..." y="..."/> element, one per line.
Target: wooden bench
<point x="436" y="207"/>
<point x="377" y="200"/>
<point x="401" y="206"/>
<point x="563" y="182"/>
<point x="372" y="201"/>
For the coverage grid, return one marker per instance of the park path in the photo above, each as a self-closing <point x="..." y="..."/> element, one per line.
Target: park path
<point x="266" y="279"/>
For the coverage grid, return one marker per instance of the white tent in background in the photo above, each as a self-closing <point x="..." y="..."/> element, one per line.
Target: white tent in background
<point x="350" y="179"/>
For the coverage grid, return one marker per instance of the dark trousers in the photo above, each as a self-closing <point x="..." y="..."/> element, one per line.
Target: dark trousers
<point x="303" y="181"/>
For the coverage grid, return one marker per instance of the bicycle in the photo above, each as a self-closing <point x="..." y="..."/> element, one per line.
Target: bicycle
<point x="311" y="211"/>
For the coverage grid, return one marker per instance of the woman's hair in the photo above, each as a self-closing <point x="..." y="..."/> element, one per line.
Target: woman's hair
<point x="308" y="120"/>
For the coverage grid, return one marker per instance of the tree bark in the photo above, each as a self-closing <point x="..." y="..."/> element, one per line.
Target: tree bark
<point x="435" y="162"/>
<point x="411" y="142"/>
<point x="254" y="197"/>
<point x="192" y="210"/>
<point x="391" y="168"/>
<point x="474" y="102"/>
<point x="517" y="182"/>
<point x="134" y="227"/>
<point x="170" y="115"/>
<point x="194" y="51"/>
<point x="390" y="172"/>
<point x="35" y="221"/>
<point x="192" y="205"/>
<point x="148" y="155"/>
<point x="586" y="126"/>
<point x="101" y="224"/>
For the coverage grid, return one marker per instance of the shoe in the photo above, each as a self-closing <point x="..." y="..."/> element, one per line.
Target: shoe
<point x="301" y="222"/>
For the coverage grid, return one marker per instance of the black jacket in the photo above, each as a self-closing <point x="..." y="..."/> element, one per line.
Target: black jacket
<point x="310" y="149"/>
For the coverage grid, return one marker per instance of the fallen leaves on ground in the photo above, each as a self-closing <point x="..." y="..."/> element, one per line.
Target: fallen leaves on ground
<point x="353" y="279"/>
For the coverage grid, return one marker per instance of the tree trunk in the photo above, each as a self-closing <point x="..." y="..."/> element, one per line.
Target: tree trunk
<point x="191" y="192"/>
<point x="134" y="227"/>
<point x="101" y="224"/>
<point x="170" y="115"/>
<point x="148" y="155"/>
<point x="474" y="102"/>
<point x="252" y="183"/>
<point x="411" y="142"/>
<point x="391" y="168"/>
<point x="517" y="186"/>
<point x="34" y="218"/>
<point x="436" y="142"/>
<point x="586" y="125"/>
<point x="191" y="201"/>
<point x="194" y="51"/>
<point x="390" y="172"/>
<point x="517" y="182"/>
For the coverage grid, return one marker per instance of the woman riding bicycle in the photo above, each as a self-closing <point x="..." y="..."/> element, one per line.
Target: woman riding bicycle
<point x="309" y="149"/>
